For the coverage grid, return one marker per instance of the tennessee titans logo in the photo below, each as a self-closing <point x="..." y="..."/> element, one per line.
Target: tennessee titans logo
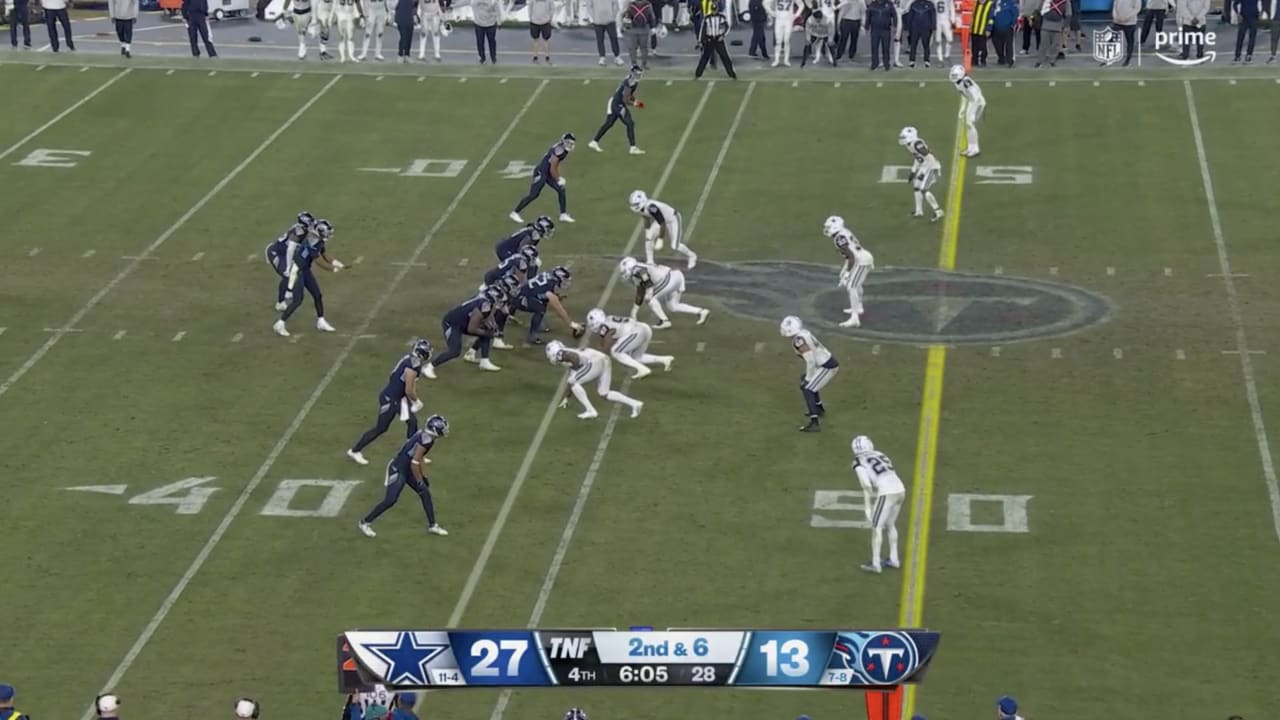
<point x="888" y="658"/>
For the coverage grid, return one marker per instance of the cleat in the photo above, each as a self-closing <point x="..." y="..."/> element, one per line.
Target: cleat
<point x="693" y="262"/>
<point x="635" y="150"/>
<point x="703" y="315"/>
<point x="662" y="325"/>
<point x="870" y="567"/>
<point x="635" y="411"/>
<point x="358" y="457"/>
<point x="534" y="342"/>
<point x="812" y="426"/>
<point x="595" y="146"/>
<point x="487" y="365"/>
<point x="470" y="356"/>
<point x="937" y="215"/>
<point x="588" y="415"/>
<point x="617" y="61"/>
<point x="642" y="372"/>
<point x="500" y="344"/>
<point x="666" y="364"/>
<point x="918" y="213"/>
<point x="323" y="325"/>
<point x="601" y="62"/>
<point x="429" y="371"/>
<point x="280" y="306"/>
<point x="566" y="217"/>
<point x="280" y="329"/>
<point x="658" y="245"/>
<point x="367" y="529"/>
<point x="377" y="56"/>
<point x="515" y="217"/>
<point x="853" y="321"/>
<point x="891" y="564"/>
<point x="437" y="530"/>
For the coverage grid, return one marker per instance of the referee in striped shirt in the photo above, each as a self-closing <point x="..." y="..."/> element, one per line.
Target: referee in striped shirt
<point x="714" y="27"/>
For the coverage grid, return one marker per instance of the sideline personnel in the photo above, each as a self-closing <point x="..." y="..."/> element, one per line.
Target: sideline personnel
<point x="7" y="710"/>
<point x="196" y="14"/>
<point x="714" y="27"/>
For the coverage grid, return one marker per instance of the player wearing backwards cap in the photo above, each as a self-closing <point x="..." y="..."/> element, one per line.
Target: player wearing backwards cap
<point x="1007" y="709"/>
<point x="107" y="707"/>
<point x="247" y="709"/>
<point x="9" y="712"/>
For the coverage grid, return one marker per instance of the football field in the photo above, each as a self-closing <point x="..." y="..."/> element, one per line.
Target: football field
<point x="1074" y="371"/>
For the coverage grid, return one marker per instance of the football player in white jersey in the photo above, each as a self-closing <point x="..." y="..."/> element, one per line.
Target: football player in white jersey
<point x="783" y="13"/>
<point x="627" y="341"/>
<point x="324" y="19"/>
<point x="299" y="11"/>
<point x="883" y="494"/>
<point x="900" y="31"/>
<point x="584" y="366"/>
<point x="434" y="26"/>
<point x="377" y="16"/>
<point x="925" y="170"/>
<point x="945" y="29"/>
<point x="858" y="263"/>
<point x="972" y="103"/>
<point x="820" y="367"/>
<point x="662" y="222"/>
<point x="345" y="14"/>
<point x="658" y="285"/>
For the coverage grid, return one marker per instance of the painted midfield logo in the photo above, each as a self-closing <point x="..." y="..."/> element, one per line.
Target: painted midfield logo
<point x="904" y="305"/>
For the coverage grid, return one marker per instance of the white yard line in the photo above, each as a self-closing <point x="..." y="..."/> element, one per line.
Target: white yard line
<point x="164" y="237"/>
<point x="606" y="437"/>
<point x="298" y="419"/>
<point x="56" y="118"/>
<point x="1237" y="315"/>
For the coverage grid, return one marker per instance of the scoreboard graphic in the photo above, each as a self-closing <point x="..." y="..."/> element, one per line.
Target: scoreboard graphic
<point x="421" y="659"/>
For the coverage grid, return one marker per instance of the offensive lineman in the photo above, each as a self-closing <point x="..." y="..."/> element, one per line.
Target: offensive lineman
<point x="307" y="255"/>
<point x="405" y="468"/>
<point x="662" y="222"/>
<point x="548" y="172"/>
<point x="431" y="16"/>
<point x="944" y="32"/>
<point x="302" y="19"/>
<point x="655" y="283"/>
<point x="619" y="107"/>
<point x="627" y="341"/>
<point x="925" y="170"/>
<point x="586" y="365"/>
<point x="820" y="367"/>
<point x="542" y="292"/>
<point x="377" y="16"/>
<point x="473" y="317"/>
<point x="529" y="235"/>
<point x="398" y="397"/>
<point x="883" y="490"/>
<point x="783" y="13"/>
<point x="345" y="14"/>
<point x="972" y="103"/>
<point x="857" y="264"/>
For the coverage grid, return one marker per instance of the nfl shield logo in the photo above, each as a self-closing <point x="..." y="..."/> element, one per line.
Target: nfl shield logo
<point x="1106" y="46"/>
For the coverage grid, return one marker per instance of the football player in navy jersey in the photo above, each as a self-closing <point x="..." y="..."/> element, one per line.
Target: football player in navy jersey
<point x="520" y="265"/>
<point x="543" y="292"/>
<point x="619" y="108"/>
<point x="474" y="318"/>
<point x="309" y="254"/>
<point x="281" y="254"/>
<point x="531" y="234"/>
<point x="399" y="397"/>
<point x="546" y="173"/>
<point x="406" y="468"/>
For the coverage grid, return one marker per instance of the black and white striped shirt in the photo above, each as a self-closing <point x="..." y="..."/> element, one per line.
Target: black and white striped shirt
<point x="714" y="26"/>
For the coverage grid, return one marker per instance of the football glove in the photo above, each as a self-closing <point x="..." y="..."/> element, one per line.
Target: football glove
<point x="562" y="182"/>
<point x="640" y="104"/>
<point x="578" y="330"/>
<point x="416" y="406"/>
<point x="337" y="265"/>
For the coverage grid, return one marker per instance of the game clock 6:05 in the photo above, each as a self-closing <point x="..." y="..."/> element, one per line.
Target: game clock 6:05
<point x="644" y="674"/>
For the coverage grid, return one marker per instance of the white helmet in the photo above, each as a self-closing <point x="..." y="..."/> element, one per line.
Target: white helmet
<point x="638" y="200"/>
<point x="956" y="73"/>
<point x="627" y="265"/>
<point x="862" y="444"/>
<point x="246" y="709"/>
<point x="908" y="135"/>
<point x="553" y="351"/>
<point x="832" y="225"/>
<point x="791" y="326"/>
<point x="595" y="318"/>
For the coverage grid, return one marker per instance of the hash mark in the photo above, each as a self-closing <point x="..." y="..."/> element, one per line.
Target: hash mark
<point x="875" y="349"/>
<point x="169" y="73"/>
<point x="86" y="69"/>
<point x="1179" y="355"/>
<point x="293" y="339"/>
<point x="45" y="66"/>
<point x="1234" y="275"/>
<point x="2" y="329"/>
<point x="251" y="257"/>
<point x="1111" y="270"/>
<point x="212" y="73"/>
<point x="700" y="347"/>
<point x="379" y="77"/>
<point x="503" y="81"/>
<point x="668" y="83"/>
<point x="836" y="85"/>
<point x="254" y="75"/>
<point x="879" y="84"/>
<point x="1053" y="83"/>
<point x="1231" y="82"/>
<point x="34" y="252"/>
<point x="1250" y="352"/>
<point x="759" y="347"/>
<point x="88" y="253"/>
<point x="422" y="78"/>
<point x="922" y="84"/>
<point x="407" y="264"/>
<point x="462" y="79"/>
<point x="795" y="83"/>
<point x="359" y="259"/>
<point x="999" y="270"/>
<point x="181" y="334"/>
<point x="197" y="256"/>
<point x="119" y="335"/>
<point x="995" y="352"/>
<point x="1053" y="270"/>
<point x="1097" y="84"/>
<point x="1117" y="353"/>
<point x="62" y="330"/>
<point x="137" y="257"/>
<point x="1056" y="353"/>
<point x="586" y="81"/>
<point x="1008" y="84"/>
<point x="237" y="337"/>
<point x="1168" y="272"/>
<point x="1142" y="83"/>
<point x="463" y="262"/>
<point x="297" y="75"/>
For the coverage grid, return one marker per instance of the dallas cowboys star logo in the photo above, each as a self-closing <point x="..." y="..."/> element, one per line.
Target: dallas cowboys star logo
<point x="406" y="658"/>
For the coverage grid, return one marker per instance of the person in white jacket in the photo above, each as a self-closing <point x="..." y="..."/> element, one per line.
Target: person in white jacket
<point x="604" y="19"/>
<point x="124" y="13"/>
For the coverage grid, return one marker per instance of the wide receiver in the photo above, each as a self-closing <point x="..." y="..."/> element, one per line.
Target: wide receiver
<point x="627" y="341"/>
<point x="972" y="103"/>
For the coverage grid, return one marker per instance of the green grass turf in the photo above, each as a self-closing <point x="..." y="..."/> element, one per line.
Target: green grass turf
<point x="1149" y="524"/>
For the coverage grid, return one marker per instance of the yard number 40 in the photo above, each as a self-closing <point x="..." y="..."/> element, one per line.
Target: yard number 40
<point x="189" y="496"/>
<point x="986" y="174"/>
